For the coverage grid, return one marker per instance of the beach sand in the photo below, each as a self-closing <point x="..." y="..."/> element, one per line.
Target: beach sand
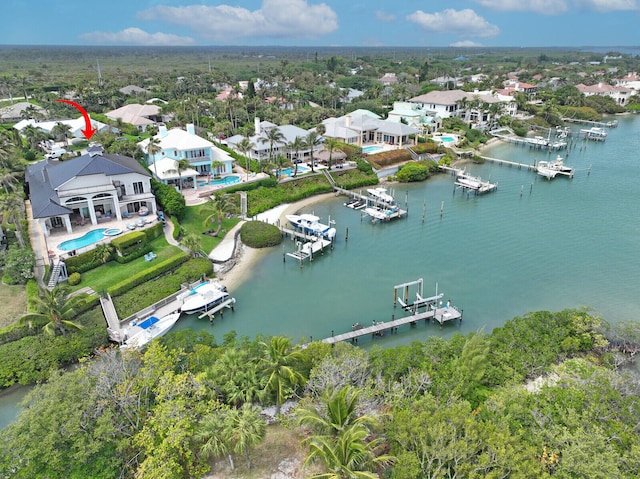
<point x="247" y="257"/>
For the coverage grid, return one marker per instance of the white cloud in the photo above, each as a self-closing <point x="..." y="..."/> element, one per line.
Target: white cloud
<point x="608" y="5"/>
<point x="136" y="36"/>
<point x="466" y="43"/>
<point x="460" y="22"/>
<point x="384" y="16"/>
<point x="275" y="18"/>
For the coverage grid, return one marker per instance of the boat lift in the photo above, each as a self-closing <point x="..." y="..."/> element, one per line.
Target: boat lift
<point x="420" y="302"/>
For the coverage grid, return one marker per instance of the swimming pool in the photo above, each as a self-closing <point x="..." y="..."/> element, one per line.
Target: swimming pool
<point x="371" y="150"/>
<point x="447" y="139"/>
<point x="227" y="180"/>
<point x="91" y="237"/>
<point x="289" y="171"/>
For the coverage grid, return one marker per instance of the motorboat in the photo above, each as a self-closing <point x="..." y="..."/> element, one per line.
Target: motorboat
<point x="310" y="224"/>
<point x="560" y="167"/>
<point x="543" y="168"/>
<point x="381" y="214"/>
<point x="550" y="169"/>
<point x="138" y="335"/>
<point x="204" y="296"/>
<point x="468" y="181"/>
<point x="380" y="195"/>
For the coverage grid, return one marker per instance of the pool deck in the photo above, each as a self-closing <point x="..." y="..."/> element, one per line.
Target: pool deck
<point x="193" y="196"/>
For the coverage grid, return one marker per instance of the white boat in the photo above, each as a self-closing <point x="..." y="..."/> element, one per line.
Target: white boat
<point x="543" y="168"/>
<point x="310" y="224"/>
<point x="138" y="335"/>
<point x="468" y="181"/>
<point x="380" y="195"/>
<point x="204" y="296"/>
<point x="375" y="212"/>
<point x="560" y="167"/>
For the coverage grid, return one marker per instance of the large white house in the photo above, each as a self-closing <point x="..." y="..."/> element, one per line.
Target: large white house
<point x="75" y="126"/>
<point x="91" y="187"/>
<point x="361" y="127"/>
<point x="620" y="94"/>
<point x="178" y="144"/>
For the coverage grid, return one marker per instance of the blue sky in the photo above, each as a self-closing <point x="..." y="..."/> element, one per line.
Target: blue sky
<point x="425" y="23"/>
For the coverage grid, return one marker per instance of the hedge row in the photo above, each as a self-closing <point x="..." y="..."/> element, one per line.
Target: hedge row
<point x="152" y="291"/>
<point x="81" y="263"/>
<point x="130" y="242"/>
<point x="147" y="274"/>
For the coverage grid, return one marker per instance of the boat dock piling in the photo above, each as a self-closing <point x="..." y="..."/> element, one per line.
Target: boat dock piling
<point x="391" y="212"/>
<point x="309" y="249"/>
<point x="228" y="303"/>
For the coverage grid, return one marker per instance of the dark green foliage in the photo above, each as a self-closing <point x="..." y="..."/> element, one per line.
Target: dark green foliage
<point x="74" y="279"/>
<point x="388" y="158"/>
<point x="264" y="198"/>
<point x="171" y="201"/>
<point x="257" y="234"/>
<point x="416" y="171"/>
<point x="82" y="262"/>
<point x="18" y="266"/>
<point x="152" y="288"/>
<point x="127" y="244"/>
<point x="154" y="232"/>
<point x="135" y="254"/>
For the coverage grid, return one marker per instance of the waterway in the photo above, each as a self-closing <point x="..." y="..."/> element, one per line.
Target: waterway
<point x="532" y="245"/>
<point x="564" y="243"/>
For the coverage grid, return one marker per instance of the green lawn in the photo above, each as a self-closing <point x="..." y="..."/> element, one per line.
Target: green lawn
<point x="113" y="272"/>
<point x="194" y="222"/>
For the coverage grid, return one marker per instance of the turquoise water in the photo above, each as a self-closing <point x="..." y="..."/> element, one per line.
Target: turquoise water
<point x="227" y="180"/>
<point x="564" y="243"/>
<point x="9" y="400"/>
<point x="88" y="238"/>
<point x="371" y="149"/>
<point x="290" y="171"/>
<point x="447" y="139"/>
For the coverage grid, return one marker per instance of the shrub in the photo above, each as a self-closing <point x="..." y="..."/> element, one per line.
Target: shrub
<point x="416" y="171"/>
<point x="83" y="262"/>
<point x="172" y="201"/>
<point x="387" y="158"/>
<point x="130" y="242"/>
<point x="74" y="279"/>
<point x="139" y="253"/>
<point x="18" y="266"/>
<point x="257" y="234"/>
<point x="154" y="232"/>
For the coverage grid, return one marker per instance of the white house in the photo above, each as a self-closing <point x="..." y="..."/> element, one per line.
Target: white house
<point x="92" y="187"/>
<point x="620" y="94"/>
<point x="178" y="144"/>
<point x="362" y="126"/>
<point x="471" y="106"/>
<point x="411" y="114"/>
<point x="75" y="126"/>
<point x="140" y="116"/>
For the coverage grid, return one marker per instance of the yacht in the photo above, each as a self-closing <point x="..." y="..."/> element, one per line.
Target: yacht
<point x="310" y="224"/>
<point x="550" y="169"/>
<point x="468" y="181"/>
<point x="138" y="335"/>
<point x="203" y="297"/>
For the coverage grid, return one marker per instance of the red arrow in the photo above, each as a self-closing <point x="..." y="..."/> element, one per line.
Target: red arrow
<point x="89" y="130"/>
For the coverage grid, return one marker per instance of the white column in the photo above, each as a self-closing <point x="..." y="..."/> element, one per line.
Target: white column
<point x="67" y="223"/>
<point x="92" y="212"/>
<point x="116" y="206"/>
<point x="195" y="182"/>
<point x="43" y="226"/>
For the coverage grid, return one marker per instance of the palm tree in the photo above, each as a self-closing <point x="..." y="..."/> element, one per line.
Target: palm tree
<point x="12" y="205"/>
<point x="8" y="179"/>
<point x="215" y="165"/>
<point x="350" y="456"/>
<point x="192" y="243"/>
<point x="273" y="137"/>
<point x="312" y="140"/>
<point x="245" y="147"/>
<point x="216" y="208"/>
<point x="56" y="309"/>
<point x="297" y="145"/>
<point x="154" y="148"/>
<point x="182" y="165"/>
<point x="212" y="436"/>
<point x="245" y="428"/>
<point x="103" y="252"/>
<point x="61" y="132"/>
<point x="278" y="364"/>
<point x="331" y="144"/>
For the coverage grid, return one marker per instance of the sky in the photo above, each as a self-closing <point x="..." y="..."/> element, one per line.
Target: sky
<point x="372" y="23"/>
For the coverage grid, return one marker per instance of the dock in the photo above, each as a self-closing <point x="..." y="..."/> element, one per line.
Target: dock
<point x="386" y="211"/>
<point x="432" y="305"/>
<point x="310" y="249"/>
<point x="599" y="124"/>
<point x="537" y="143"/>
<point x="210" y="313"/>
<point x="469" y="183"/>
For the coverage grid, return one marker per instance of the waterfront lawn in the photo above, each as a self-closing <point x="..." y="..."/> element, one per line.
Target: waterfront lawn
<point x="194" y="222"/>
<point x="113" y="272"/>
<point x="14" y="303"/>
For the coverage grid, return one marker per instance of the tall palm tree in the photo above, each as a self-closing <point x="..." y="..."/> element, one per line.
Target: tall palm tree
<point x="297" y="145"/>
<point x="192" y="243"/>
<point x="8" y="179"/>
<point x="245" y="146"/>
<point x="12" y="205"/>
<point x="182" y="165"/>
<point x="273" y="136"/>
<point x="245" y="428"/>
<point x="61" y="132"/>
<point x="216" y="208"/>
<point x="212" y="436"/>
<point x="103" y="252"/>
<point x="278" y="363"/>
<point x="331" y="144"/>
<point x="312" y="140"/>
<point x="154" y="148"/>
<point x="55" y="309"/>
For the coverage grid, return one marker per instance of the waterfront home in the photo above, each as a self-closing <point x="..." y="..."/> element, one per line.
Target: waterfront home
<point x="363" y="127"/>
<point x="414" y="116"/>
<point x="140" y="116"/>
<point x="89" y="188"/>
<point x="177" y="144"/>
<point x="76" y="126"/>
<point x="620" y="94"/>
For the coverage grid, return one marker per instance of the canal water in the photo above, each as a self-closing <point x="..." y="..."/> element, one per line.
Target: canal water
<point x="532" y="245"/>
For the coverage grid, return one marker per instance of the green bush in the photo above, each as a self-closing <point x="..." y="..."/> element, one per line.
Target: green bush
<point x="139" y="253"/>
<point x="74" y="279"/>
<point x="257" y="234"/>
<point x="416" y="171"/>
<point x="130" y="242"/>
<point x="172" y="201"/>
<point x="83" y="262"/>
<point x="264" y="198"/>
<point x="147" y="274"/>
<point x="18" y="265"/>
<point x="154" y="232"/>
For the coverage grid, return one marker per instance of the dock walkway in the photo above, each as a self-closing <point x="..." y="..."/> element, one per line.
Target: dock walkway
<point x="372" y="202"/>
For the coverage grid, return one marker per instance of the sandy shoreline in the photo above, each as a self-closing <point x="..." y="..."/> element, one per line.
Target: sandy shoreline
<point x="248" y="257"/>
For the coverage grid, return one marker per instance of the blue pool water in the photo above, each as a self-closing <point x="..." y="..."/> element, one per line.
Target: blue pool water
<point x="227" y="180"/>
<point x="289" y="171"/>
<point x="369" y="150"/>
<point x="447" y="139"/>
<point x="91" y="237"/>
